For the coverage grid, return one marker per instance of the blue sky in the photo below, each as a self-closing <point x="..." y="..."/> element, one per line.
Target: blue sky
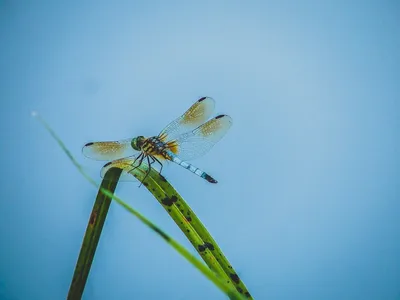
<point x="309" y="171"/>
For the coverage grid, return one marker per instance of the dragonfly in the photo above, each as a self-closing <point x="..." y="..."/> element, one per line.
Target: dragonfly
<point x="186" y="138"/>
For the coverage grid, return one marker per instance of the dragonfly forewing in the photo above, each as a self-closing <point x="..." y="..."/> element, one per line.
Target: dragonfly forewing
<point x="109" y="150"/>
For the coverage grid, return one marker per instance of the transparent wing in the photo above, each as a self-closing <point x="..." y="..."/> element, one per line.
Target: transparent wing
<point x="196" y="115"/>
<point x="126" y="164"/>
<point x="109" y="150"/>
<point x="198" y="142"/>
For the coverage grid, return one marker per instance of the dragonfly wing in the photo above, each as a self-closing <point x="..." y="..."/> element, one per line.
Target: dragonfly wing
<point x="109" y="150"/>
<point x="126" y="164"/>
<point x="198" y="142"/>
<point x="196" y="115"/>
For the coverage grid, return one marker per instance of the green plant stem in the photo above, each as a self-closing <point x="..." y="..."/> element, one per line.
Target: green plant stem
<point x="197" y="233"/>
<point x="92" y="235"/>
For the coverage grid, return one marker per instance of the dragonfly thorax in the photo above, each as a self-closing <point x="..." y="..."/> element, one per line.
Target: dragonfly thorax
<point x="137" y="143"/>
<point x="154" y="146"/>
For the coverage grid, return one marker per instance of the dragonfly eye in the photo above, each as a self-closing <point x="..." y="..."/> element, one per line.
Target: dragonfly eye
<point x="137" y="143"/>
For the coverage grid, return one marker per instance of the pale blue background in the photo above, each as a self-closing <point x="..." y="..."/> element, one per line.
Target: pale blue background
<point x="309" y="173"/>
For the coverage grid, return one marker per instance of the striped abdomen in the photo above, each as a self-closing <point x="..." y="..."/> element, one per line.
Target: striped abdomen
<point x="190" y="167"/>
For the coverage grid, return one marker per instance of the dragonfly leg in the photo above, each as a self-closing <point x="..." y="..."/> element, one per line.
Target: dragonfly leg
<point x="149" y="163"/>
<point x="141" y="156"/>
<point x="159" y="163"/>
<point x="152" y="159"/>
<point x="148" y="170"/>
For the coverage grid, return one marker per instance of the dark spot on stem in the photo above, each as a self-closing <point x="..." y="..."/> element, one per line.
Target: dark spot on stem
<point x="201" y="248"/>
<point x="235" y="278"/>
<point x="209" y="246"/>
<point x="169" y="201"/>
<point x="93" y="218"/>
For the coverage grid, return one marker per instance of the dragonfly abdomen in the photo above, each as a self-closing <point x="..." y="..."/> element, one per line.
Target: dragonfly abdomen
<point x="190" y="167"/>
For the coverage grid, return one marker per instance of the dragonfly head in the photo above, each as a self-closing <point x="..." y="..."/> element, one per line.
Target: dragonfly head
<point x="137" y="143"/>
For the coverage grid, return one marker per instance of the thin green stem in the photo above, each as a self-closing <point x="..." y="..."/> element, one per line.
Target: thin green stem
<point x="92" y="235"/>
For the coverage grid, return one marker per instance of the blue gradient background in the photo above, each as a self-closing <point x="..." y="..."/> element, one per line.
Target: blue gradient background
<point x="309" y="172"/>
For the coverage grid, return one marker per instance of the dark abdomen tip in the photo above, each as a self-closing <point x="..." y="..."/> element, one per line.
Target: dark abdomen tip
<point x="210" y="179"/>
<point x="220" y="116"/>
<point x="201" y="99"/>
<point x="88" y="144"/>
